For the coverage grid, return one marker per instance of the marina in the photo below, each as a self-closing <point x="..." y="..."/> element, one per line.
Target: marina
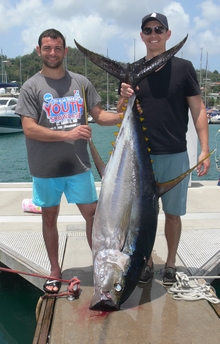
<point x="10" y="122"/>
<point x="150" y="315"/>
<point x="150" y="312"/>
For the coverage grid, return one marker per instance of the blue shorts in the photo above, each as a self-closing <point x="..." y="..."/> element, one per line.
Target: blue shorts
<point x="78" y="189"/>
<point x="167" y="167"/>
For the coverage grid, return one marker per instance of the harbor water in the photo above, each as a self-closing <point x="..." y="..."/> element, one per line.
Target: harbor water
<point x="18" y="298"/>
<point x="13" y="156"/>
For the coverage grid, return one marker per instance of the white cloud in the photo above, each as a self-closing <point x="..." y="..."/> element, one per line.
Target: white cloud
<point x="210" y="10"/>
<point x="19" y="13"/>
<point x="200" y="23"/>
<point x="114" y="25"/>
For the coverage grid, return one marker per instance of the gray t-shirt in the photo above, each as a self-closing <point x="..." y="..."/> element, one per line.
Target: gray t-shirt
<point x="58" y="105"/>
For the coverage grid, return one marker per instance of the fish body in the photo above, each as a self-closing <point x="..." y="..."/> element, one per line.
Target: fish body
<point x="125" y="220"/>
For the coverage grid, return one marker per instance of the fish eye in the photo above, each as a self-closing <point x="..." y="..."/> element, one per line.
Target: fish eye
<point x="118" y="287"/>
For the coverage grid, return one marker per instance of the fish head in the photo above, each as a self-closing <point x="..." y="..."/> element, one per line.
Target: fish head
<point x="110" y="268"/>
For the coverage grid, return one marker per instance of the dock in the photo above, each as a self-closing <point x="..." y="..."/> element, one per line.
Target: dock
<point x="150" y="315"/>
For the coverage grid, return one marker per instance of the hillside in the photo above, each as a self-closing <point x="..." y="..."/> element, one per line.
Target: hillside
<point x="19" y="69"/>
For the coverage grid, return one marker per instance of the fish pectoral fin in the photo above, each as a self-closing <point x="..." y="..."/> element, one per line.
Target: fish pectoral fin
<point x="100" y="165"/>
<point x="162" y="188"/>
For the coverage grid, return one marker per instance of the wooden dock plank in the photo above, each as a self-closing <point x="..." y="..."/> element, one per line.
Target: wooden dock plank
<point x="44" y="321"/>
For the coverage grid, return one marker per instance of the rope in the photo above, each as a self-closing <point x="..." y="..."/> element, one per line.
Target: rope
<point x="205" y="277"/>
<point x="72" y="293"/>
<point x="187" y="290"/>
<point x="73" y="288"/>
<point x="34" y="275"/>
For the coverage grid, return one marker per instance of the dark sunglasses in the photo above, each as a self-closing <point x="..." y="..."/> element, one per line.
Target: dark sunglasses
<point x="157" y="29"/>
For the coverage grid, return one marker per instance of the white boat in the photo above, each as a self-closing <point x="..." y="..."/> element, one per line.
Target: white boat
<point x="90" y="119"/>
<point x="214" y="119"/>
<point x="10" y="122"/>
<point x="112" y="109"/>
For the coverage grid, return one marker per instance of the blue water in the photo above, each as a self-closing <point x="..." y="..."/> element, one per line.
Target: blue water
<point x="214" y="143"/>
<point x="13" y="156"/>
<point x="18" y="298"/>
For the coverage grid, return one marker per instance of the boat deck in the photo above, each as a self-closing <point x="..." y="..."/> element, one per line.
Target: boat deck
<point x="150" y="315"/>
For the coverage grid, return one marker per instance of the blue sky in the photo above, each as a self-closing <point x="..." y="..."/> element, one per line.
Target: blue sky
<point x="112" y="27"/>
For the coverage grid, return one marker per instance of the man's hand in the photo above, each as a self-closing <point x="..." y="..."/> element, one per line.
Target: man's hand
<point x="83" y="132"/>
<point x="203" y="168"/>
<point x="126" y="91"/>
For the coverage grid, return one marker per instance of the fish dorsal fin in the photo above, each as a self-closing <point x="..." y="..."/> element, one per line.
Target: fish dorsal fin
<point x="162" y="188"/>
<point x="131" y="73"/>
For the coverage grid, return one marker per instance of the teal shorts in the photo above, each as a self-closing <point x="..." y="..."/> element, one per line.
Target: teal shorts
<point x="78" y="189"/>
<point x="167" y="167"/>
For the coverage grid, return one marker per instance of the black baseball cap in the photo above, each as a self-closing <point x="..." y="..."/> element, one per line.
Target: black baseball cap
<point x="155" y="16"/>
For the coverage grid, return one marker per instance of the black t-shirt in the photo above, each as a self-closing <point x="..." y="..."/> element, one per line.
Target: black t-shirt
<point x="162" y="96"/>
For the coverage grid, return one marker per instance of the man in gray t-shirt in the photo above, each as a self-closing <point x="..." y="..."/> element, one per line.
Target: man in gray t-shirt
<point x="52" y="109"/>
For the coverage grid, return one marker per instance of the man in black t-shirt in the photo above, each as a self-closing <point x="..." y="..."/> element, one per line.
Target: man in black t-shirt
<point x="165" y="96"/>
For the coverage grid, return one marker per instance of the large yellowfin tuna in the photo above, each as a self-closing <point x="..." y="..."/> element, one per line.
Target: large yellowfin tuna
<point x="125" y="221"/>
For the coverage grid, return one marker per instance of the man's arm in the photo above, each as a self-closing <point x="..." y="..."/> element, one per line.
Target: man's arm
<point x="199" y="116"/>
<point x="37" y="132"/>
<point x="103" y="117"/>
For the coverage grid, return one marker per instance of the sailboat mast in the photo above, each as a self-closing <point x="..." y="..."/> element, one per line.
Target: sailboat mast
<point x="107" y="100"/>
<point x="200" y="81"/>
<point x="134" y="51"/>
<point x="206" y="77"/>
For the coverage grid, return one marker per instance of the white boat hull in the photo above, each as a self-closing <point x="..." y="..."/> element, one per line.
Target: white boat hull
<point x="9" y="122"/>
<point x="90" y="119"/>
<point x="5" y="130"/>
<point x="214" y="119"/>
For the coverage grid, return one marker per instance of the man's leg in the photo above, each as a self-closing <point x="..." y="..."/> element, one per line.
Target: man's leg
<point x="50" y="234"/>
<point x="88" y="212"/>
<point x="172" y="233"/>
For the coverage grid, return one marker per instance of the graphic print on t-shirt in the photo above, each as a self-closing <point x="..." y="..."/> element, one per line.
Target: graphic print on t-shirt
<point x="63" y="113"/>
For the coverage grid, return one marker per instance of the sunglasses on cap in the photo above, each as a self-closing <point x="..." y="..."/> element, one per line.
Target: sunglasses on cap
<point x="157" y="29"/>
